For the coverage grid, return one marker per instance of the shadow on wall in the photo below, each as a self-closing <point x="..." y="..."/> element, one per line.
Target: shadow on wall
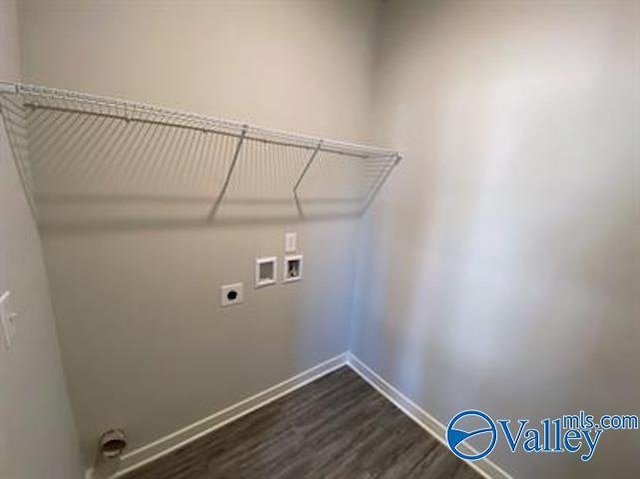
<point x="394" y="236"/>
<point x="135" y="264"/>
<point x="95" y="170"/>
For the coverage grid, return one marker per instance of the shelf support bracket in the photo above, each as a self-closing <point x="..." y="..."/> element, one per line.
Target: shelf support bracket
<point x="225" y="185"/>
<point x="302" y="175"/>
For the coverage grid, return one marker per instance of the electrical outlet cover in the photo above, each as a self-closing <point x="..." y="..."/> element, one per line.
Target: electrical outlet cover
<point x="231" y="294"/>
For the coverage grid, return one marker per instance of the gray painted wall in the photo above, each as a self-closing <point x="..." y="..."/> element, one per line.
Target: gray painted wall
<point x="37" y="434"/>
<point x="145" y="344"/>
<point x="499" y="271"/>
<point x="500" y="268"/>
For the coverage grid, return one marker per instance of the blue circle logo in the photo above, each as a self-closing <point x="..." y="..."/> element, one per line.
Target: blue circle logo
<point x="483" y="426"/>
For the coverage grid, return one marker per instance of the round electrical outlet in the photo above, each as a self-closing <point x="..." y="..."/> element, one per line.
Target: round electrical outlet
<point x="231" y="294"/>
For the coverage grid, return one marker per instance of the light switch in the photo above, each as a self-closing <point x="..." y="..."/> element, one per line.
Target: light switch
<point x="7" y="321"/>
<point x="290" y="242"/>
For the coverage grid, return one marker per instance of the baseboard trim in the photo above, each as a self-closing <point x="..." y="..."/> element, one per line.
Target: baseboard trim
<point x="485" y="467"/>
<point x="165" y="445"/>
<point x="152" y="451"/>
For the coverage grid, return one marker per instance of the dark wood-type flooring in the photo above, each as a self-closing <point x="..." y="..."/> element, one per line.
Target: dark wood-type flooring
<point x="337" y="427"/>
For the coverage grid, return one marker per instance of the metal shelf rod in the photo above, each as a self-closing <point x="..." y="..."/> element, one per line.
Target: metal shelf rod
<point x="204" y="129"/>
<point x="32" y="91"/>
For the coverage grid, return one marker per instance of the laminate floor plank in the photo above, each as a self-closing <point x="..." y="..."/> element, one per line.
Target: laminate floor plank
<point x="337" y="427"/>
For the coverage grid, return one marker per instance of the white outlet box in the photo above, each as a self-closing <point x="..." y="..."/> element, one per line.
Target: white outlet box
<point x="266" y="271"/>
<point x="292" y="268"/>
<point x="231" y="294"/>
<point x="7" y="321"/>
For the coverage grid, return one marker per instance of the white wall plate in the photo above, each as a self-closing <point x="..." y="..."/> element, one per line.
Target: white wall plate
<point x="266" y="271"/>
<point x="7" y="322"/>
<point x="231" y="294"/>
<point x="290" y="242"/>
<point x="292" y="268"/>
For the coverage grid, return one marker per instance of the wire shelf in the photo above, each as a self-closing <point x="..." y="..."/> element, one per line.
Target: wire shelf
<point x="71" y="146"/>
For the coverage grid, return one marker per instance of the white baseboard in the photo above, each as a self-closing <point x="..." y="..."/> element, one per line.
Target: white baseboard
<point x="152" y="451"/>
<point x="485" y="467"/>
<point x="145" y="454"/>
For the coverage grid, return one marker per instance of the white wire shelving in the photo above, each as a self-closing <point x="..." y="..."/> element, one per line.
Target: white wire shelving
<point x="66" y="143"/>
